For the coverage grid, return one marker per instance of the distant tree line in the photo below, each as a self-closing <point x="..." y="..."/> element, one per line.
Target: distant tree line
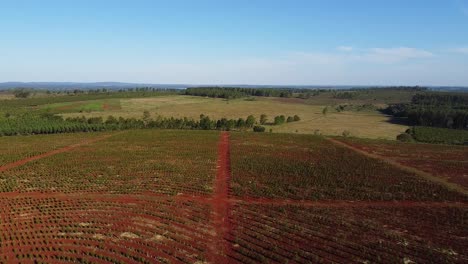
<point x="445" y="110"/>
<point x="48" y="123"/>
<point x="238" y="92"/>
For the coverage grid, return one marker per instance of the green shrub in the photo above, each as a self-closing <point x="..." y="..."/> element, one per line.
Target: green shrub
<point x="405" y="137"/>
<point x="259" y="129"/>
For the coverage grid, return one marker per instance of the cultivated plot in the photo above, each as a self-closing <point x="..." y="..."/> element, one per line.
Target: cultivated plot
<point x="99" y="229"/>
<point x="161" y="196"/>
<point x="16" y="148"/>
<point x="445" y="161"/>
<point x="356" y="233"/>
<point x="143" y="161"/>
<point x="312" y="168"/>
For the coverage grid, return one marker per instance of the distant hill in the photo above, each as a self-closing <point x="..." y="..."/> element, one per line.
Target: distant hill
<point x="84" y="86"/>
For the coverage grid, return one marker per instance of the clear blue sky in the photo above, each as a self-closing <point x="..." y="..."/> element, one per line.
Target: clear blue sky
<point x="382" y="42"/>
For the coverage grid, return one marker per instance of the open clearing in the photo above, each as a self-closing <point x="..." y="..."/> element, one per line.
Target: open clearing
<point x="371" y="124"/>
<point x="145" y="196"/>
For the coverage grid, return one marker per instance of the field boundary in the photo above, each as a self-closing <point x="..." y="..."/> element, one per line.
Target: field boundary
<point x="52" y="152"/>
<point x="423" y="174"/>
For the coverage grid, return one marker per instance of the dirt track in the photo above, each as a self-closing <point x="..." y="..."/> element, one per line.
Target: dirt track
<point x="220" y="202"/>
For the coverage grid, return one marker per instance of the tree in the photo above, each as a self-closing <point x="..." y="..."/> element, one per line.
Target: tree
<point x="279" y="120"/>
<point x="111" y="120"/>
<point x="263" y="119"/>
<point x="205" y="122"/>
<point x="146" y="117"/>
<point x="325" y="110"/>
<point x="290" y="119"/>
<point x="250" y="121"/>
<point x="296" y="118"/>
<point x="21" y="93"/>
<point x="240" y="123"/>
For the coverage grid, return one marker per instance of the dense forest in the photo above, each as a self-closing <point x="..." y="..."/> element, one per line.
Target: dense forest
<point x="444" y="110"/>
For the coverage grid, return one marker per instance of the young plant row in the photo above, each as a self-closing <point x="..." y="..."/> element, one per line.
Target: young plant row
<point x="141" y="161"/>
<point x="448" y="162"/>
<point x="280" y="234"/>
<point x="309" y="167"/>
<point x="21" y="147"/>
<point x="137" y="231"/>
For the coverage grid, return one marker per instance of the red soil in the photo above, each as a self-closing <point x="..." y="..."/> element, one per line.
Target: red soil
<point x="220" y="202"/>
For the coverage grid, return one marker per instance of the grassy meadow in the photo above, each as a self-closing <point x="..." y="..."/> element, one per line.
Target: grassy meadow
<point x="369" y="123"/>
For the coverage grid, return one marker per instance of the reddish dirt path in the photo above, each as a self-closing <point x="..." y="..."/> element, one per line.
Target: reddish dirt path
<point x="220" y="202"/>
<point x="50" y="153"/>
<point x="427" y="176"/>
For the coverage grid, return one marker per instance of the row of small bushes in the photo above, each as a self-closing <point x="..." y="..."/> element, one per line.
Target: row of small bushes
<point x="435" y="135"/>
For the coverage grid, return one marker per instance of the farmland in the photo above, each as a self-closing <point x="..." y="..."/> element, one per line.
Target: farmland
<point x="132" y="162"/>
<point x="173" y="196"/>
<point x="309" y="167"/>
<point x="446" y="161"/>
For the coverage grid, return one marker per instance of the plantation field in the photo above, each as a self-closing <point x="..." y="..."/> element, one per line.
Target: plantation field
<point x="180" y="196"/>
<point x="17" y="148"/>
<point x="103" y="230"/>
<point x="309" y="167"/>
<point x="132" y="162"/>
<point x="446" y="161"/>
<point x="348" y="234"/>
<point x="371" y="124"/>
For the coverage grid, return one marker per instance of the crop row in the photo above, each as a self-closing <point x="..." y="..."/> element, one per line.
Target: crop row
<point x="103" y="230"/>
<point x="140" y="161"/>
<point x="294" y="234"/>
<point x="310" y="167"/>
<point x="21" y="147"/>
<point x="449" y="162"/>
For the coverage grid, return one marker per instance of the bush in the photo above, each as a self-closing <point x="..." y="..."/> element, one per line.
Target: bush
<point x="405" y="137"/>
<point x="279" y="120"/>
<point x="21" y="93"/>
<point x="259" y="129"/>
<point x="296" y="118"/>
<point x="346" y="133"/>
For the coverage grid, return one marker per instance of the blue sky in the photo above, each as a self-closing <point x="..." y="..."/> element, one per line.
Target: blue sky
<point x="329" y="42"/>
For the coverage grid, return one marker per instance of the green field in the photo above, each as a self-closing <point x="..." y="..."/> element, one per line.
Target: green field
<point x="83" y="106"/>
<point x="371" y="124"/>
